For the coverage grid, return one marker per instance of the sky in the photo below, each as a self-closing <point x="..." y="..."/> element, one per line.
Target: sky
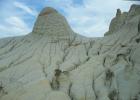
<point x="89" y="18"/>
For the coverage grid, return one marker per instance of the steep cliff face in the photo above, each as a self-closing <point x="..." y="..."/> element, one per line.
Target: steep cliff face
<point x="122" y="19"/>
<point x="54" y="63"/>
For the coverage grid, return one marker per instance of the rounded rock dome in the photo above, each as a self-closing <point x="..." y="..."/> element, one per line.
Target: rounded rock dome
<point x="47" y="11"/>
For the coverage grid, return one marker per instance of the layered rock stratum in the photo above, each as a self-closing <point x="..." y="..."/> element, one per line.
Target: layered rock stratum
<point x="55" y="63"/>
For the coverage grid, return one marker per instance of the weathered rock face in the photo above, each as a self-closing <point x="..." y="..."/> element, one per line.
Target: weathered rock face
<point x="122" y="19"/>
<point x="53" y="25"/>
<point x="54" y="63"/>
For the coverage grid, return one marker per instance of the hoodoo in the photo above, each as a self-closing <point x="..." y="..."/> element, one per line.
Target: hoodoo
<point x="52" y="24"/>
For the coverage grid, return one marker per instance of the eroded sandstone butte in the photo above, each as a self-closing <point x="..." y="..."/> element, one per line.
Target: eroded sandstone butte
<point x="55" y="63"/>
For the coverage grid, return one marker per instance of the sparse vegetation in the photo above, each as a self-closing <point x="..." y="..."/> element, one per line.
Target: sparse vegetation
<point x="108" y="76"/>
<point x="113" y="95"/>
<point x="122" y="45"/>
<point x="139" y="26"/>
<point x="98" y="52"/>
<point x="138" y="40"/>
<point x="55" y="82"/>
<point x="57" y="72"/>
<point x="2" y="90"/>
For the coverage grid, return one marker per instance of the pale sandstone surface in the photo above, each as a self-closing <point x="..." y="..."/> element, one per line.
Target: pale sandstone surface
<point x="55" y="63"/>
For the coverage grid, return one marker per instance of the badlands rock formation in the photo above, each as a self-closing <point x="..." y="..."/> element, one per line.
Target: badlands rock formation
<point x="54" y="63"/>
